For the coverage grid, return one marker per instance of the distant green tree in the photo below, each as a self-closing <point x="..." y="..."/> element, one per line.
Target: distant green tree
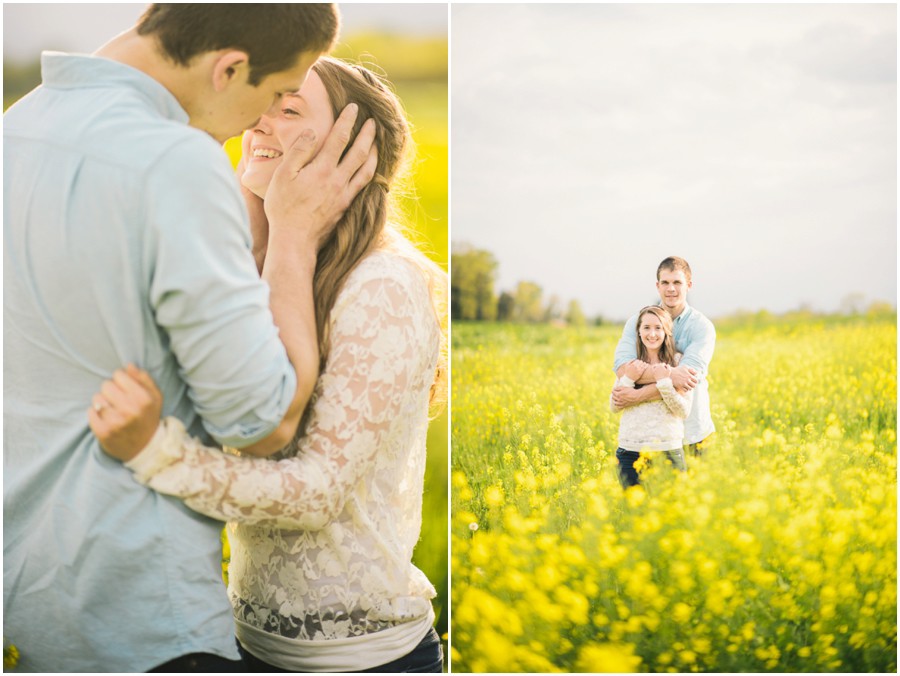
<point x="574" y="315"/>
<point x="528" y="307"/>
<point x="472" y="283"/>
<point x="506" y="307"/>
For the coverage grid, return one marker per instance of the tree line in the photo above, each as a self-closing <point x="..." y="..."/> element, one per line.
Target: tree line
<point x="473" y="296"/>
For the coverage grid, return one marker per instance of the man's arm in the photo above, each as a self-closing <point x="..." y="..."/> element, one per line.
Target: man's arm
<point x="699" y="346"/>
<point x="309" y="489"/>
<point x="623" y="397"/>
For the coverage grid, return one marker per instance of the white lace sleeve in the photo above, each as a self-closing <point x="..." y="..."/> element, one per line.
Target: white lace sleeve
<point x="382" y="337"/>
<point x="678" y="404"/>
<point x="624" y="381"/>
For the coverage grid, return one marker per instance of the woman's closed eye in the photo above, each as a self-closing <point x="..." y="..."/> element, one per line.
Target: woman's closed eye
<point x="290" y="112"/>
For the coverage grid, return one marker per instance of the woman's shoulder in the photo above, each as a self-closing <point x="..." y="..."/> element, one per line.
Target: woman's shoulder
<point x="384" y="263"/>
<point x="388" y="268"/>
<point x="384" y="277"/>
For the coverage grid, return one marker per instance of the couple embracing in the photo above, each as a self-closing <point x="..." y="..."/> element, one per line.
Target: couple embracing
<point x="280" y="314"/>
<point x="661" y="364"/>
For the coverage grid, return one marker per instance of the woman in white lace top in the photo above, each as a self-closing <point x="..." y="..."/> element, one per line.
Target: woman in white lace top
<point x="658" y="425"/>
<point x="322" y="534"/>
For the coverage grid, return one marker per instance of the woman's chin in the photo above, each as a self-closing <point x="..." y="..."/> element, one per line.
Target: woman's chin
<point x="256" y="187"/>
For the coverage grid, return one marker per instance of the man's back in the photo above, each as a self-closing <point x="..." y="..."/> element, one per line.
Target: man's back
<point x="124" y="241"/>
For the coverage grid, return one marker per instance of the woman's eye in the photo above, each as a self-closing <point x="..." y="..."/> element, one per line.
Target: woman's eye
<point x="289" y="112"/>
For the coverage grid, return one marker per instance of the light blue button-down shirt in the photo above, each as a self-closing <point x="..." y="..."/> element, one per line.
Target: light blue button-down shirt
<point x="125" y="240"/>
<point x="695" y="339"/>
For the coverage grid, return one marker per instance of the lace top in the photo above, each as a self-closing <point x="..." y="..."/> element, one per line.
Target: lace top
<point x="654" y="425"/>
<point x="322" y="534"/>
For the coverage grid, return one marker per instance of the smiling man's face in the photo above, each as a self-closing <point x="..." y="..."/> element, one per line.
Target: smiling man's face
<point x="673" y="286"/>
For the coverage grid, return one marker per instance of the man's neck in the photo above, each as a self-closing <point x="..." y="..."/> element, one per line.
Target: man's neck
<point x="131" y="49"/>
<point x="144" y="54"/>
<point x="676" y="312"/>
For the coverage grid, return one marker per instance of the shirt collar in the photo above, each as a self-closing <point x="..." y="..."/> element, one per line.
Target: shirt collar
<point x="70" y="71"/>
<point x="684" y="313"/>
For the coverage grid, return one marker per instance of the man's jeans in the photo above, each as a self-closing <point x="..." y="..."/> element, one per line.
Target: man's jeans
<point x="628" y="475"/>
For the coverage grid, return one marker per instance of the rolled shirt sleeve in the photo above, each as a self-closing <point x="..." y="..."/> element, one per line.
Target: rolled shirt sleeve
<point x="700" y="344"/>
<point x="207" y="296"/>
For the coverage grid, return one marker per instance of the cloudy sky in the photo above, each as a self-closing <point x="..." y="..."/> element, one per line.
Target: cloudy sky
<point x="757" y="141"/>
<point x="83" y="27"/>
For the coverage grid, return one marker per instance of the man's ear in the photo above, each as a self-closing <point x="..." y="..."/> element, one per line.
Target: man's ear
<point x="230" y="66"/>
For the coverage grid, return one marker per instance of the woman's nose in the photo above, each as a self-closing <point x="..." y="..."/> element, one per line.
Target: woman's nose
<point x="262" y="127"/>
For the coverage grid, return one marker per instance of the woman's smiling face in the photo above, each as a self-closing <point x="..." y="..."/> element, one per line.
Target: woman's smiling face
<point x="265" y="144"/>
<point x="652" y="331"/>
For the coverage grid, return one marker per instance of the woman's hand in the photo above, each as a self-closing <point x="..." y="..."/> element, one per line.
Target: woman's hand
<point x="660" y="371"/>
<point x="125" y="413"/>
<point x="635" y="369"/>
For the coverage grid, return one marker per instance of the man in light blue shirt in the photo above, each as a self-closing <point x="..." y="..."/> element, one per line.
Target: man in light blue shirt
<point x="126" y="240"/>
<point x="695" y="339"/>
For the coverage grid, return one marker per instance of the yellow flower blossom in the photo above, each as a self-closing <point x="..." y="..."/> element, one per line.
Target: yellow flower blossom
<point x="607" y="659"/>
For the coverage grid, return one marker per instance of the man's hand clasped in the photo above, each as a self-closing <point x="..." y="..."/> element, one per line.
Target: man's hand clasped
<point x="684" y="379"/>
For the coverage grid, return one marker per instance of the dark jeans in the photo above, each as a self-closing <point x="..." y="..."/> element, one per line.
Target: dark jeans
<point x="628" y="475"/>
<point x="696" y="450"/>
<point x="200" y="663"/>
<point x="427" y="657"/>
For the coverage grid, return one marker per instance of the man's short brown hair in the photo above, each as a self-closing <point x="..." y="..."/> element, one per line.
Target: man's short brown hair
<point x="674" y="263"/>
<point x="272" y="35"/>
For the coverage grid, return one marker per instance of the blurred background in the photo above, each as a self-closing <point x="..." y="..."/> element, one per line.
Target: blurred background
<point x="758" y="141"/>
<point x="405" y="42"/>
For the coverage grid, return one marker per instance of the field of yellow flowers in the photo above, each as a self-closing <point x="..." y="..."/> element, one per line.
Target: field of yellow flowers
<point x="776" y="552"/>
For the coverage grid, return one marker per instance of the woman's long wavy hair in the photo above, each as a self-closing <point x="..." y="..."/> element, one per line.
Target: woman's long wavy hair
<point x="667" y="349"/>
<point x="372" y="221"/>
